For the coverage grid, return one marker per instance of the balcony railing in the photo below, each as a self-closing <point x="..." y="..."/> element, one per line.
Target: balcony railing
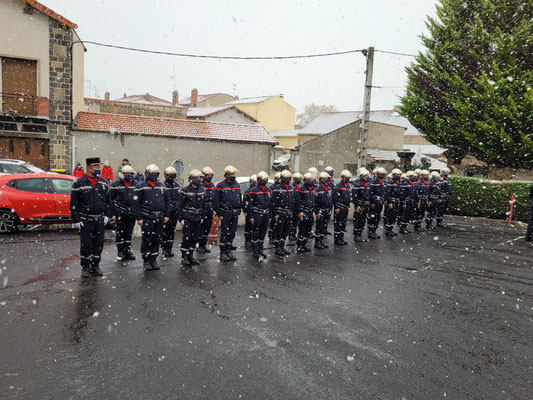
<point x="23" y="104"/>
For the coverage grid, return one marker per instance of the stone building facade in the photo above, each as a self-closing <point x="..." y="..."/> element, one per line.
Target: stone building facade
<point x="41" y="84"/>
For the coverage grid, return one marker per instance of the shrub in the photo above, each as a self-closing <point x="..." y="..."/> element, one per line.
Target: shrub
<point x="482" y="198"/>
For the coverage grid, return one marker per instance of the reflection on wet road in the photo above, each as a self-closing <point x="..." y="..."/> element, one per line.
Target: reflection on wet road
<point x="435" y="315"/>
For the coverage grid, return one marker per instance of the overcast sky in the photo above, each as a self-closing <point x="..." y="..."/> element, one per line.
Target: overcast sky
<point x="249" y="28"/>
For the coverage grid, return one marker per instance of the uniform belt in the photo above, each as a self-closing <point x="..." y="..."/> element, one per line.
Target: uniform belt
<point x="262" y="211"/>
<point x="91" y="217"/>
<point x="193" y="210"/>
<point x="152" y="214"/>
<point x="306" y="209"/>
<point x="286" y="211"/>
<point x="324" y="210"/>
<point x="377" y="198"/>
<point x="342" y="205"/>
<point x="229" y="209"/>
<point x="209" y="203"/>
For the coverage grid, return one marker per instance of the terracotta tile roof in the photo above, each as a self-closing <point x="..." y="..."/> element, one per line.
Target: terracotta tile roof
<point x="171" y="127"/>
<point x="51" y="13"/>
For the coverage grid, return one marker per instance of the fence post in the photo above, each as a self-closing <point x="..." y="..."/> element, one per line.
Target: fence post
<point x="511" y="210"/>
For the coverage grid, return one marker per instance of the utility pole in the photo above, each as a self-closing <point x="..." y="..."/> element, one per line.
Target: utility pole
<point x="363" y="138"/>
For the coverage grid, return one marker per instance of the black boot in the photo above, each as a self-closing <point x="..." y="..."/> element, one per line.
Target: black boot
<point x="279" y="251"/>
<point x="255" y="254"/>
<point x="285" y="251"/>
<point x="224" y="256"/>
<point x="262" y="253"/>
<point x="129" y="255"/>
<point x="96" y="271"/>
<point x="121" y="256"/>
<point x="233" y="248"/>
<point x="185" y="259"/>
<point x="318" y="244"/>
<point x="231" y="256"/>
<point x="418" y="228"/>
<point x="340" y="242"/>
<point x="167" y="253"/>
<point x="388" y="233"/>
<point x="372" y="235"/>
<point x="292" y="238"/>
<point x="193" y="260"/>
<point x="306" y="248"/>
<point x="403" y="230"/>
<point x="324" y="245"/>
<point x="441" y="224"/>
<point x="85" y="272"/>
<point x="154" y="265"/>
<point x="147" y="265"/>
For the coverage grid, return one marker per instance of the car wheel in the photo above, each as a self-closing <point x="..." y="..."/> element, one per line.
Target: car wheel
<point x="8" y="221"/>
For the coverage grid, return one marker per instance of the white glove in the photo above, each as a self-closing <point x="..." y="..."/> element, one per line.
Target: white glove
<point x="106" y="220"/>
<point x="78" y="225"/>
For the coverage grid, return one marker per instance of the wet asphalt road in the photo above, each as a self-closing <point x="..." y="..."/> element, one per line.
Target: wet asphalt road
<point x="446" y="314"/>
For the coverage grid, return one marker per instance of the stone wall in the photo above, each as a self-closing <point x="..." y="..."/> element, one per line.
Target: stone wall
<point x="60" y="39"/>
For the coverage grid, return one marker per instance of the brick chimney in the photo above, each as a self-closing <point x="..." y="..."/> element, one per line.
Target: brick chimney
<point x="194" y="96"/>
<point x="175" y="98"/>
<point x="124" y="94"/>
<point x="147" y="96"/>
<point x="107" y="96"/>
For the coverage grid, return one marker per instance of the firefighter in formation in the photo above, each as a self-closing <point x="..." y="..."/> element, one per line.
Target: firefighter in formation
<point x="286" y="210"/>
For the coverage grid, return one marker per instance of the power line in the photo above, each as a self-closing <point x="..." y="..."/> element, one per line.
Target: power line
<point x="396" y="53"/>
<point x="219" y="57"/>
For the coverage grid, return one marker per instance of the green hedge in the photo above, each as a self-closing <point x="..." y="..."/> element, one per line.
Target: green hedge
<point x="482" y="198"/>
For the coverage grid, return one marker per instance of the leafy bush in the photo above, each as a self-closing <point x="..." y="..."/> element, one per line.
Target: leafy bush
<point x="482" y="198"/>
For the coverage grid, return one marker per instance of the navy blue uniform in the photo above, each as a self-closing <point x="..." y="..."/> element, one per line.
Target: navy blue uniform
<point x="407" y="202"/>
<point x="191" y="205"/>
<point x="283" y="209"/>
<point x="205" y="228"/>
<point x="248" y="226"/>
<point x="377" y="197"/>
<point x="529" y="231"/>
<point x="169" y="229"/>
<point x="151" y="206"/>
<point x="422" y="194"/>
<point x="122" y="197"/>
<point x="392" y="198"/>
<point x="323" y="205"/>
<point x="304" y="202"/>
<point x="227" y="204"/>
<point x="260" y="208"/>
<point x="273" y="224"/>
<point x="361" y="199"/>
<point x="294" y="222"/>
<point x="446" y="192"/>
<point x="89" y="204"/>
<point x="434" y="201"/>
<point x="342" y="197"/>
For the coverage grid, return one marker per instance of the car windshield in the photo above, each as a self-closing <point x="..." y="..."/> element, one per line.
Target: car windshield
<point x="32" y="168"/>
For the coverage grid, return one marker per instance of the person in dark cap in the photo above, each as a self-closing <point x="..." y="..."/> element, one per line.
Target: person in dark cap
<point x="90" y="208"/>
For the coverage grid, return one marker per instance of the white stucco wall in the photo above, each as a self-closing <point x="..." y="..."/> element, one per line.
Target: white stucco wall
<point x="231" y="116"/>
<point x="26" y="36"/>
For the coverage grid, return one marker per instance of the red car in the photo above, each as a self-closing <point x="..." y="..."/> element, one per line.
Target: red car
<point x="34" y="199"/>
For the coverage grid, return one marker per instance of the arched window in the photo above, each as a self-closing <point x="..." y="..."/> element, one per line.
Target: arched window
<point x="178" y="165"/>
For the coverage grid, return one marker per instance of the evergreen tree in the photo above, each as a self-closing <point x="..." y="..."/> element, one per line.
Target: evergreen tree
<point x="471" y="91"/>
